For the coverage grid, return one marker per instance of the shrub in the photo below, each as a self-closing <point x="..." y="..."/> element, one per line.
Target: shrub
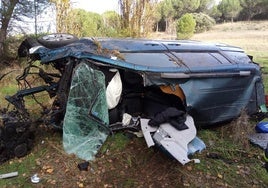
<point x="203" y="22"/>
<point x="185" y="26"/>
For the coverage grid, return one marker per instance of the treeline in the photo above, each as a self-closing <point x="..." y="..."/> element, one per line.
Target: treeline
<point x="218" y="10"/>
<point x="139" y="17"/>
<point x="136" y="18"/>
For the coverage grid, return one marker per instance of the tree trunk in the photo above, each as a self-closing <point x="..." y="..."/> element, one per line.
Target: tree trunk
<point x="6" y="14"/>
<point x="2" y="40"/>
<point x="166" y="29"/>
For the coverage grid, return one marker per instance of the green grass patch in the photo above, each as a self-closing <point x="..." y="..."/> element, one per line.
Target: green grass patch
<point x="9" y="90"/>
<point x="24" y="166"/>
<point x="129" y="183"/>
<point x="116" y="142"/>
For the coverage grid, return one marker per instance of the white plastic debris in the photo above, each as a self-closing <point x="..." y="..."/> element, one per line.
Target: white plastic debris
<point x="197" y="161"/>
<point x="172" y="140"/>
<point x="126" y="119"/>
<point x="35" y="179"/>
<point x="8" y="175"/>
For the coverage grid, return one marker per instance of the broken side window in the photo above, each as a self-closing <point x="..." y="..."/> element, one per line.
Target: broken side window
<point x="85" y="126"/>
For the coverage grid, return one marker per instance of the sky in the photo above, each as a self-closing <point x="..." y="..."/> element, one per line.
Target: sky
<point x="98" y="6"/>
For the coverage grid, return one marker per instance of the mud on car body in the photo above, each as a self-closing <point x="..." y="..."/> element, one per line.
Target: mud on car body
<point x="210" y="82"/>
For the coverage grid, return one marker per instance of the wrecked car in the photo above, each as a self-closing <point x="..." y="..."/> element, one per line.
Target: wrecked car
<point x="166" y="88"/>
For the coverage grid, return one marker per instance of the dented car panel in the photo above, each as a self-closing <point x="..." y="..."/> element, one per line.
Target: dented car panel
<point x="102" y="85"/>
<point x="217" y="80"/>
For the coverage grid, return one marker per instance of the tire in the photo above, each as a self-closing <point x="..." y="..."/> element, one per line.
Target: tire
<point x="10" y="131"/>
<point x="57" y="40"/>
<point x="20" y="150"/>
<point x="23" y="50"/>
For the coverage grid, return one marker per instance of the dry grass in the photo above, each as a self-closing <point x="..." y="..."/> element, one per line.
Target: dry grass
<point x="241" y="128"/>
<point x="251" y="36"/>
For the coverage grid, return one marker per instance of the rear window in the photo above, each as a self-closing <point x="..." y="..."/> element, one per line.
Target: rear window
<point x="179" y="59"/>
<point x="238" y="57"/>
<point x="150" y="59"/>
<point x="201" y="59"/>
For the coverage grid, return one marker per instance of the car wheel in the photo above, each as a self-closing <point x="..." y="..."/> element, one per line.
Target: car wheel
<point x="20" y="150"/>
<point x="23" y="50"/>
<point x="57" y="40"/>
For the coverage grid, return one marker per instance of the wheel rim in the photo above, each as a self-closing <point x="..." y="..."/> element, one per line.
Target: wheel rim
<point x="57" y="37"/>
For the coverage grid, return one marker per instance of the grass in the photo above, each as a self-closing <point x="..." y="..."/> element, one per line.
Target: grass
<point x="228" y="161"/>
<point x="24" y="166"/>
<point x="116" y="142"/>
<point x="250" y="36"/>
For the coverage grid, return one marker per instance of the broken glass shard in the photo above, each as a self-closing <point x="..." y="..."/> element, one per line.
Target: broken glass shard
<point x="86" y="120"/>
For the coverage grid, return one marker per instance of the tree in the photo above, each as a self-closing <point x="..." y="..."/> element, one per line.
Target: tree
<point x="181" y="7"/>
<point x="86" y="23"/>
<point x="7" y="8"/>
<point x="63" y="15"/>
<point x="253" y="7"/>
<point x="229" y="8"/>
<point x="111" y="21"/>
<point x="171" y="10"/>
<point x="12" y="14"/>
<point x="215" y="13"/>
<point x="133" y="14"/>
<point x="203" y="22"/>
<point x="150" y="17"/>
<point x="167" y="12"/>
<point x="186" y="26"/>
<point x="204" y="6"/>
<point x="157" y="16"/>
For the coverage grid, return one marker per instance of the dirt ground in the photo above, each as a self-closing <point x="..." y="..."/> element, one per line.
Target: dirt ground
<point x="132" y="164"/>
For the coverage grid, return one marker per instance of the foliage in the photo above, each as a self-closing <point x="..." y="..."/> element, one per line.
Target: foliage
<point x="186" y="26"/>
<point x="252" y="8"/>
<point x="23" y="10"/>
<point x="63" y="17"/>
<point x="229" y="9"/>
<point x="166" y="13"/>
<point x="150" y="17"/>
<point x="215" y="13"/>
<point x="12" y="14"/>
<point x="135" y="15"/>
<point x="205" y="6"/>
<point x="12" y="44"/>
<point x="87" y="23"/>
<point x="203" y="22"/>
<point x="111" y="21"/>
<point x="171" y="10"/>
<point x="180" y="7"/>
